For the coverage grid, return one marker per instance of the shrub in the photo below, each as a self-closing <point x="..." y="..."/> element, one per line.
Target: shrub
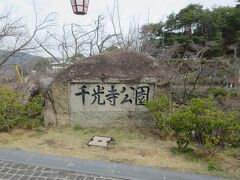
<point x="233" y="129"/>
<point x="216" y="92"/>
<point x="14" y="112"/>
<point x="32" y="112"/>
<point x="203" y="123"/>
<point x="10" y="108"/>
<point x="77" y="127"/>
<point x="181" y="123"/>
<point x="159" y="109"/>
<point x="200" y="122"/>
<point x="233" y="93"/>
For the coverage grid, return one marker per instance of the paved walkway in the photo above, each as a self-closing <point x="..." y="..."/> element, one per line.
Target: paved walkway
<point x="16" y="171"/>
<point x="16" y="165"/>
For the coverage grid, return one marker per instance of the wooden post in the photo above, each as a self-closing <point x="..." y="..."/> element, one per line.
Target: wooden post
<point x="20" y="77"/>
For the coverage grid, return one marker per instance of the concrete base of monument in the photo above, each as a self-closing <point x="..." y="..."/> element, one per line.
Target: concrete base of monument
<point x="112" y="119"/>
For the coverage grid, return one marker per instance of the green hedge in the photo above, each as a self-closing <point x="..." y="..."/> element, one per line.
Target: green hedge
<point x="15" y="112"/>
<point x="200" y="123"/>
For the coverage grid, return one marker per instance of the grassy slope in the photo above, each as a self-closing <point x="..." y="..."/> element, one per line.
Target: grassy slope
<point x="136" y="147"/>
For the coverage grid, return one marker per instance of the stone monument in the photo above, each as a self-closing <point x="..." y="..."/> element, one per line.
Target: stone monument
<point x="106" y="90"/>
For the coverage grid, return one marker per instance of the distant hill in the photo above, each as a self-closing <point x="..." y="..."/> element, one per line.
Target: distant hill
<point x="25" y="61"/>
<point x="21" y="58"/>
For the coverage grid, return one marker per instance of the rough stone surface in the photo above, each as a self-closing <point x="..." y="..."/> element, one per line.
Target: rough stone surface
<point x="122" y="73"/>
<point x="116" y="64"/>
<point x="36" y="84"/>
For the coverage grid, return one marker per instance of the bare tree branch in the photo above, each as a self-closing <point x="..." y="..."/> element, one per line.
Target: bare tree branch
<point x="14" y="30"/>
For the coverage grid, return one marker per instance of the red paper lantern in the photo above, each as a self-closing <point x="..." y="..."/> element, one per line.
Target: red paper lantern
<point x="80" y="7"/>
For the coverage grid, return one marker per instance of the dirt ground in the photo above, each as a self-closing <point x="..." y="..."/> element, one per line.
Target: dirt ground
<point x="137" y="147"/>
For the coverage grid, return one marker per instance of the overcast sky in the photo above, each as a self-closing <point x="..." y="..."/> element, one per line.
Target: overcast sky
<point x="130" y="10"/>
<point x="158" y="9"/>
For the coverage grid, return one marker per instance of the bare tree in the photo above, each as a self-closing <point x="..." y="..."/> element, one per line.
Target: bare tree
<point x="102" y="40"/>
<point x="15" y="38"/>
<point x="114" y="16"/>
<point x="130" y="39"/>
<point x="188" y="90"/>
<point x="73" y="40"/>
<point x="78" y="40"/>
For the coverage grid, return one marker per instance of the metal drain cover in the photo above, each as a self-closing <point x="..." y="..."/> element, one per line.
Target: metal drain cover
<point x="100" y="141"/>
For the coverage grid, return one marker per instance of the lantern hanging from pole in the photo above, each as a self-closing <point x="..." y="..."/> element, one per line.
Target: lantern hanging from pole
<point x="80" y="7"/>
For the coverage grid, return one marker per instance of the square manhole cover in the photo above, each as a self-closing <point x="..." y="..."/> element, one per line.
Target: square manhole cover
<point x="100" y="141"/>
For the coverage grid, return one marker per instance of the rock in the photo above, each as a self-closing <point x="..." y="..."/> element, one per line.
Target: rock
<point x="106" y="90"/>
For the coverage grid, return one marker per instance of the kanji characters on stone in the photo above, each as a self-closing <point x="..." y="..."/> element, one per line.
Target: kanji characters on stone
<point x="101" y="96"/>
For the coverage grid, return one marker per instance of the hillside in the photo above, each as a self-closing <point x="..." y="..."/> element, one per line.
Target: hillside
<point x="25" y="61"/>
<point x="21" y="58"/>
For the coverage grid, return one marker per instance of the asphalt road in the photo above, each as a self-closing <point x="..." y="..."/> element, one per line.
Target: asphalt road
<point x="17" y="165"/>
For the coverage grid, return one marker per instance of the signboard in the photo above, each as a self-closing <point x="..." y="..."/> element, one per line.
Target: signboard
<point x="109" y="97"/>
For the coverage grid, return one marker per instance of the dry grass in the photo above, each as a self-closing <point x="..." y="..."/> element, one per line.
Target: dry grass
<point x="136" y="147"/>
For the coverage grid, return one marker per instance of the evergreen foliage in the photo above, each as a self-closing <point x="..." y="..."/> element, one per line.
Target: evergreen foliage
<point x="200" y="123"/>
<point x="217" y="28"/>
<point x="14" y="112"/>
